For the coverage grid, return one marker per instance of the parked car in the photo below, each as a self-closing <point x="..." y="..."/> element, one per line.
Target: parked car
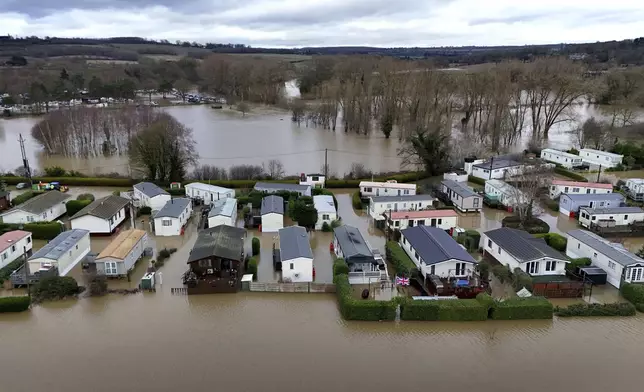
<point x="21" y="185"/>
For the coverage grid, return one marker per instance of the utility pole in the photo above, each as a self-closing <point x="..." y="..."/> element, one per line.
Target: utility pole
<point x="132" y="220"/>
<point x="25" y="162"/>
<point x="26" y="267"/>
<point x="600" y="172"/>
<point x="491" y="164"/>
<point x="326" y="163"/>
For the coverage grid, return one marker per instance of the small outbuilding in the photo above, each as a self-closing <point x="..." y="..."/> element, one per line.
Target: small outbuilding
<point x="325" y="207"/>
<point x="295" y="254"/>
<point x="272" y="212"/>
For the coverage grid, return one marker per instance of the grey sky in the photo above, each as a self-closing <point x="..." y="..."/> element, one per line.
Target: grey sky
<point x="291" y="23"/>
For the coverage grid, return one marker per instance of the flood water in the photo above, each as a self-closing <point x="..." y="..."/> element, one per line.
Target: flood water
<point x="293" y="342"/>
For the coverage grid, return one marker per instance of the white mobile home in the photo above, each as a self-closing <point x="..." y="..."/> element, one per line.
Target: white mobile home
<point x="618" y="263"/>
<point x="173" y="217"/>
<point x="378" y="205"/>
<point x="563" y="158"/>
<point x="505" y="193"/>
<point x="296" y="255"/>
<point x="436" y="253"/>
<point x="46" y="207"/>
<point x="102" y="216"/>
<point x="570" y="204"/>
<point x="147" y="194"/>
<point x="558" y="187"/>
<point x="13" y="245"/>
<point x="519" y="249"/>
<point x="459" y="176"/>
<point x="63" y="252"/>
<point x="635" y="188"/>
<point x="272" y="212"/>
<point x="443" y="219"/>
<point x="603" y="158"/>
<point x="207" y="193"/>
<point x="121" y="254"/>
<point x="496" y="168"/>
<point x="461" y="196"/>
<point x="325" y="207"/>
<point x="223" y="213"/>
<point x="389" y="188"/>
<point x="615" y="216"/>
<point x="315" y="180"/>
<point x="273" y="187"/>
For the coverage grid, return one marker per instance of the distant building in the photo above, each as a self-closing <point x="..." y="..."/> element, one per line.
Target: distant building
<point x="313" y="180"/>
<point x="147" y="194"/>
<point x="569" y="204"/>
<point x="207" y="193"/>
<point x="496" y="168"/>
<point x="604" y="158"/>
<point x="46" y="207"/>
<point x="563" y="158"/>
<point x="558" y="187"/>
<point x="388" y="188"/>
<point x="273" y="187"/>
<point x="13" y="245"/>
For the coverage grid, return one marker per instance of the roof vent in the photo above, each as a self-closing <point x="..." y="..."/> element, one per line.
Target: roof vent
<point x="9" y="240"/>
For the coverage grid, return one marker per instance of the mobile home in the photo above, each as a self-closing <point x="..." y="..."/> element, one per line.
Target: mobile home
<point x="557" y="187"/>
<point x="563" y="158"/>
<point x="600" y="158"/>
<point x="569" y="204"/>
<point x="207" y="193"/>
<point x="615" y="216"/>
<point x="389" y="188"/>
<point x="462" y="196"/>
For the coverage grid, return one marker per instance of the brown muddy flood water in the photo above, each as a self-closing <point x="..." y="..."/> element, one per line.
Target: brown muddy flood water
<point x="294" y="342"/>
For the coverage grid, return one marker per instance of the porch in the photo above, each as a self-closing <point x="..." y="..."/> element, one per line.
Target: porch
<point x="368" y="273"/>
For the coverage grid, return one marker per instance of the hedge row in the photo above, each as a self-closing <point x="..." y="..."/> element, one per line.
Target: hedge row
<point x="8" y="269"/>
<point x="356" y="201"/>
<point x="634" y="293"/>
<point x="596" y="310"/>
<point x="55" y="287"/>
<point x="562" y="171"/>
<point x="14" y="304"/>
<point x="75" y="181"/>
<point x="252" y="266"/>
<point x="255" y="245"/>
<point x="361" y="309"/>
<point x="444" y="310"/>
<point x="73" y="206"/>
<point x="476" y="180"/>
<point x="23" y="197"/>
<point x="522" y="309"/>
<point x="399" y="259"/>
<point x="39" y="230"/>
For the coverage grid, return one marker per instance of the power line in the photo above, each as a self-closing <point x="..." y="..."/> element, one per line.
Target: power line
<point x="362" y="153"/>
<point x="264" y="156"/>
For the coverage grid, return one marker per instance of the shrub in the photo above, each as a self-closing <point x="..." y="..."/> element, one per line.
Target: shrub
<point x="256" y="246"/>
<point x="532" y="226"/>
<point x="365" y="310"/>
<point x="354" y="183"/>
<point x="23" y="197"/>
<point x="476" y="180"/>
<point x="39" y="230"/>
<point x="55" y="287"/>
<point x="580" y="262"/>
<point x="55" y="171"/>
<point x="336" y="223"/>
<point x="634" y="293"/>
<point x="567" y="173"/>
<point x="356" y="201"/>
<point x="73" y="206"/>
<point x="486" y="300"/>
<point x="176" y="192"/>
<point x="596" y="310"/>
<point x="521" y="279"/>
<point x="252" y="266"/>
<point x="522" y="309"/>
<point x="444" y="310"/>
<point x="96" y="285"/>
<point x="484" y="270"/>
<point x="399" y="259"/>
<point x="640" y="307"/>
<point x="145" y="210"/>
<point x="14" y="304"/>
<point x="340" y="267"/>
<point x="502" y="273"/>
<point x="326" y="227"/>
<point x="554" y="240"/>
<point x="6" y="271"/>
<point x="88" y="196"/>
<point x="471" y="240"/>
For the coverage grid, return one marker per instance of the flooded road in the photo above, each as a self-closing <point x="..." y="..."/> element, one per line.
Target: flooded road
<point x="293" y="342"/>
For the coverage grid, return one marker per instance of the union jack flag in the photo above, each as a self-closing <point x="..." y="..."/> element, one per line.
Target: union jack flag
<point x="402" y="281"/>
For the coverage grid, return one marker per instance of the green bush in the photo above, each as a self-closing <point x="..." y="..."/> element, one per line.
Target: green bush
<point x="399" y="259"/>
<point x="87" y="196"/>
<point x="176" y="192"/>
<point x="554" y="240"/>
<point x="502" y="273"/>
<point x="444" y="310"/>
<point x="145" y="210"/>
<point x="326" y="227"/>
<point x="55" y="287"/>
<point x="640" y="307"/>
<point x="361" y="309"/>
<point x="476" y="180"/>
<point x="255" y="245"/>
<point x="484" y="270"/>
<point x="55" y="171"/>
<point x="532" y="226"/>
<point x="14" y="304"/>
<point x="522" y="309"/>
<point x="521" y="279"/>
<point x="73" y="206"/>
<point x="486" y="300"/>
<point x="340" y="267"/>
<point x="252" y="266"/>
<point x="596" y="310"/>
<point x="634" y="293"/>
<point x="23" y="197"/>
<point x="39" y="230"/>
<point x="580" y="262"/>
<point x="8" y="269"/>
<point x="553" y="205"/>
<point x="356" y="201"/>
<point x="472" y="240"/>
<point x="572" y="175"/>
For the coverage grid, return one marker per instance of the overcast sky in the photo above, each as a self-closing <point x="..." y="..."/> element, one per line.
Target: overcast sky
<point x="296" y="23"/>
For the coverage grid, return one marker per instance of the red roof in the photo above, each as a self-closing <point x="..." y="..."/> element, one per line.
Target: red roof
<point x="582" y="184"/>
<point x="10" y="238"/>
<point x="423" y="214"/>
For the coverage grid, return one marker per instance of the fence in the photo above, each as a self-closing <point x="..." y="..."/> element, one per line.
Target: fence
<point x="293" y="287"/>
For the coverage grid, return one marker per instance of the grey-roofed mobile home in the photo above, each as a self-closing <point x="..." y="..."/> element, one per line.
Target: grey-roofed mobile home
<point x="569" y="204"/>
<point x="174" y="208"/>
<point x="434" y="245"/>
<point x="149" y="189"/>
<point x="272" y="187"/>
<point x="272" y="204"/>
<point x="295" y="254"/>
<point x="46" y="207"/>
<point x="399" y="199"/>
<point x="104" y="208"/>
<point x="351" y="246"/>
<point x="63" y="252"/>
<point x="462" y="196"/>
<point x="147" y="194"/>
<point x="173" y="217"/>
<point x="223" y="212"/>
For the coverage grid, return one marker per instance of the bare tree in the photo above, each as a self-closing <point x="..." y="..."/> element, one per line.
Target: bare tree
<point x="246" y="172"/>
<point x="358" y="171"/>
<point x="182" y="88"/>
<point x="527" y="185"/>
<point x="275" y="169"/>
<point x="209" y="172"/>
<point x="592" y="134"/>
<point x="243" y="108"/>
<point x="298" y="111"/>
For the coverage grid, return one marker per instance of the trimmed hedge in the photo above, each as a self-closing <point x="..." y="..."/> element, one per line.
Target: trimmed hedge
<point x="562" y="171"/>
<point x="176" y="192"/>
<point x="73" y="206"/>
<point x="554" y="240"/>
<point x="634" y="293"/>
<point x="340" y="267"/>
<point x="444" y="310"/>
<point x="14" y="304"/>
<point x="39" y="230"/>
<point x="522" y="309"/>
<point x="356" y="201"/>
<point x="23" y="197"/>
<point x="476" y="180"/>
<point x="252" y="266"/>
<point x="55" y="287"/>
<point x="361" y="309"/>
<point x="75" y="181"/>
<point x="255" y="245"/>
<point x="399" y="259"/>
<point x="597" y="310"/>
<point x="6" y="271"/>
<point x="580" y="262"/>
<point x="533" y="226"/>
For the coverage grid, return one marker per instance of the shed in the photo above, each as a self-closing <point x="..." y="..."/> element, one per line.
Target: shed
<point x="272" y="212"/>
<point x="122" y="253"/>
<point x="594" y="274"/>
<point x="296" y="254"/>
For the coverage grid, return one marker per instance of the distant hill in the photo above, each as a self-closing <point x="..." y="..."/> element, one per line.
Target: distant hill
<point x="131" y="48"/>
